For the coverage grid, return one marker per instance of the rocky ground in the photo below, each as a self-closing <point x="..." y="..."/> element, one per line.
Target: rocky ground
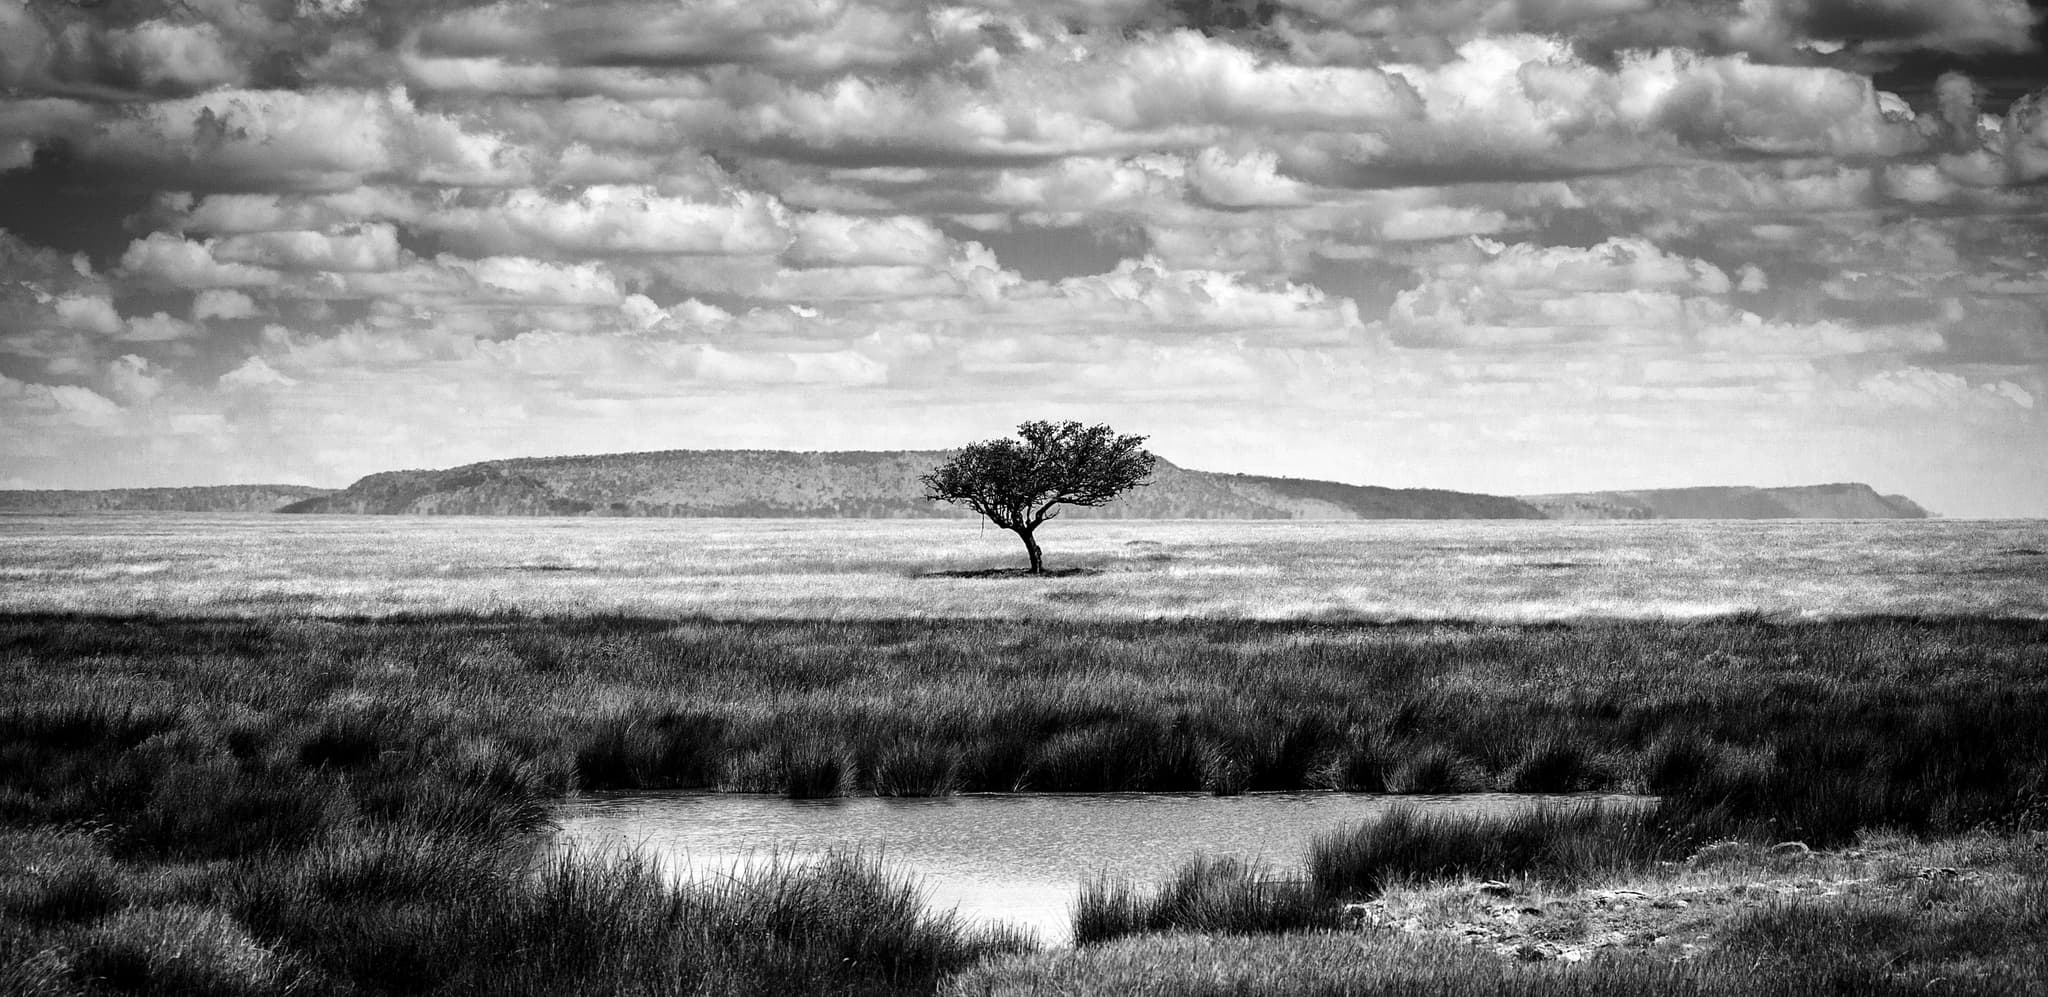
<point x="1679" y="909"/>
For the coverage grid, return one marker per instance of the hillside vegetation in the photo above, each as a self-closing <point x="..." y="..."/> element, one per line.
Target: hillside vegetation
<point x="849" y="484"/>
<point x="1845" y="500"/>
<point x="212" y="498"/>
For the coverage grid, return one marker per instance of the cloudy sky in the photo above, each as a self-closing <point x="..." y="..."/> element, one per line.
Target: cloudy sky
<point x="1497" y="245"/>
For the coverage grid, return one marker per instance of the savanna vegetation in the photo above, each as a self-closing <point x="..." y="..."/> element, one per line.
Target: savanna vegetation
<point x="330" y="805"/>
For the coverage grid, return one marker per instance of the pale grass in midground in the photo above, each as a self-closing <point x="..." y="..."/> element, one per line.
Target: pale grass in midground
<point x="879" y="569"/>
<point x="1892" y="915"/>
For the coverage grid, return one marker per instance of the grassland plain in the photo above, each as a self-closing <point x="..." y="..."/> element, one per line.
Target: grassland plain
<point x="867" y="569"/>
<point x="209" y="790"/>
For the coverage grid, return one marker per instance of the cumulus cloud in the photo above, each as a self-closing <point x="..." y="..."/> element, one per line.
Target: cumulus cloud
<point x="88" y="313"/>
<point x="169" y="56"/>
<point x="1529" y="107"/>
<point x="221" y="303"/>
<point x="230" y="214"/>
<point x="1356" y="30"/>
<point x="262" y="140"/>
<point x="1935" y="390"/>
<point x="255" y="373"/>
<point x="161" y="327"/>
<point x="362" y="248"/>
<point x="609" y="219"/>
<point x="1250" y="181"/>
<point x="515" y="279"/>
<point x="166" y="259"/>
<point x="55" y="406"/>
<point x="803" y="35"/>
<point x="1178" y="302"/>
<point x="831" y="239"/>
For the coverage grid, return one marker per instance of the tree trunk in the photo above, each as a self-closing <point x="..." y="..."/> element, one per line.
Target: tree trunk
<point x="1037" y="556"/>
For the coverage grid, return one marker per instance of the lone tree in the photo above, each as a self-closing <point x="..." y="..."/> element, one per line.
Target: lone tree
<point x="1016" y="483"/>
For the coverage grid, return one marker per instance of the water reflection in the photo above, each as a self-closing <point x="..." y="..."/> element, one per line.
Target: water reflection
<point x="1008" y="857"/>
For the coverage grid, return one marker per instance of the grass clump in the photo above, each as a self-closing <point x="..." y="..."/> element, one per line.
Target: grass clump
<point x="1206" y="894"/>
<point x="180" y="949"/>
<point x="51" y="877"/>
<point x="1558" y="842"/>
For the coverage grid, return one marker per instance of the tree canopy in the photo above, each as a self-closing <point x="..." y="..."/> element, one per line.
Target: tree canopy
<point x="1020" y="483"/>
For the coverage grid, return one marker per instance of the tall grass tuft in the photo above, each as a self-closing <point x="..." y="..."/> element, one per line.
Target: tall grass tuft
<point x="1555" y="764"/>
<point x="795" y="926"/>
<point x="1560" y="842"/>
<point x="180" y="949"/>
<point x="917" y="767"/>
<point x="1434" y="768"/>
<point x="1113" y="755"/>
<point x="1678" y="761"/>
<point x="1205" y="894"/>
<point x="813" y="769"/>
<point x="56" y="877"/>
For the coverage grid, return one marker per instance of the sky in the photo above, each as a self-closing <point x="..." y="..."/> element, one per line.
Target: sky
<point x="1511" y="246"/>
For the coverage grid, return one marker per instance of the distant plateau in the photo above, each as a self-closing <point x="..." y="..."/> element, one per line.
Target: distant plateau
<point x="884" y="485"/>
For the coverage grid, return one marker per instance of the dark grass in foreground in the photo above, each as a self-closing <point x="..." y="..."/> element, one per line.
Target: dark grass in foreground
<point x="343" y="805"/>
<point x="399" y="911"/>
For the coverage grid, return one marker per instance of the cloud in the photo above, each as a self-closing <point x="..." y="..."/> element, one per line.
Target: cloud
<point x="813" y="36"/>
<point x="255" y="373"/>
<point x="607" y="219"/>
<point x="159" y="328"/>
<point x="513" y="279"/>
<point x="230" y="214"/>
<point x="826" y="239"/>
<point x="1936" y="390"/>
<point x="1527" y="107"/>
<point x="166" y="259"/>
<point x="1361" y="30"/>
<point x="1181" y="302"/>
<point x="362" y="248"/>
<point x="132" y="379"/>
<point x="1486" y="292"/>
<point x="169" y="57"/>
<point x="281" y="140"/>
<point x="221" y="303"/>
<point x="87" y="313"/>
<point x="58" y="406"/>
<point x="1250" y="181"/>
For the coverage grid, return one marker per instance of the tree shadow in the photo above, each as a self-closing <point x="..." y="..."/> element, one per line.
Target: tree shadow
<point x="1011" y="573"/>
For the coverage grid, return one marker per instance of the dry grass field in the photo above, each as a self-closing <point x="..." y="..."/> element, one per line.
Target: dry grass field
<point x="1505" y="571"/>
